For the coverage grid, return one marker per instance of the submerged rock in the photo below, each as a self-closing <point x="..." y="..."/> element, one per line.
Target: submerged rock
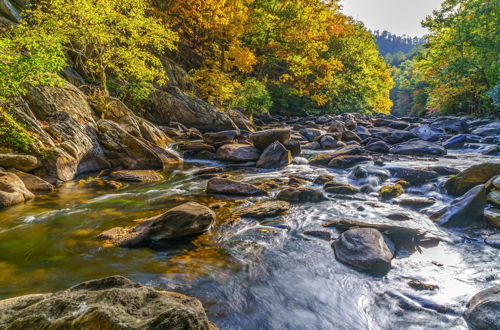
<point x="364" y="248"/>
<point x="108" y="303"/>
<point x="301" y="195"/>
<point x="231" y="187"/>
<point x="466" y="209"/>
<point x="137" y="176"/>
<point x="275" y="156"/>
<point x="264" y="209"/>
<point x="471" y="177"/>
<point x="483" y="310"/>
<point x="183" y="220"/>
<point x="12" y="190"/>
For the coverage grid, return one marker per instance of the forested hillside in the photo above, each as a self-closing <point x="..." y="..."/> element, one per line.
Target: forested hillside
<point x="457" y="71"/>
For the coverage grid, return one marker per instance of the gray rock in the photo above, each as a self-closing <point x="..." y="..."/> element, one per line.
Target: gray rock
<point x="466" y="209"/>
<point x="275" y="156"/>
<point x="427" y="133"/>
<point x="364" y="248"/>
<point x="378" y="146"/>
<point x="482" y="310"/>
<point x="493" y="240"/>
<point x="492" y="129"/>
<point x="418" y="148"/>
<point x="455" y="142"/>
<point x="108" y="303"/>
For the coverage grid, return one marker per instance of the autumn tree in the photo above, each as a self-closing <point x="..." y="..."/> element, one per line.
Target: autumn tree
<point x="107" y="37"/>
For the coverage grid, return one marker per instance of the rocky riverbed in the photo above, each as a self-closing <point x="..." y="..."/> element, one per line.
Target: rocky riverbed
<point x="322" y="222"/>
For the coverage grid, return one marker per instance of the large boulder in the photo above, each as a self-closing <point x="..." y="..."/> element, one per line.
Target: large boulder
<point x="275" y="156"/>
<point x="413" y="175"/>
<point x="427" y="133"/>
<point x="12" y="190"/>
<point x="220" y="138"/>
<point x="130" y="152"/>
<point x="324" y="159"/>
<point x="108" y="303"/>
<point x="231" y="187"/>
<point x="19" y="161"/>
<point x="451" y="125"/>
<point x="173" y="105"/>
<point x="471" y="177"/>
<point x="492" y="129"/>
<point x="483" y="310"/>
<point x="238" y="153"/>
<point x="183" y="220"/>
<point x="364" y="248"/>
<point x="418" y="148"/>
<point x="32" y="182"/>
<point x="466" y="209"/>
<point x="263" y="139"/>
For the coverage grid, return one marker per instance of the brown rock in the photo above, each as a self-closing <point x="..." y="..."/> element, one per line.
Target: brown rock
<point x="137" y="176"/>
<point x="231" y="187"/>
<point x="12" y="190"/>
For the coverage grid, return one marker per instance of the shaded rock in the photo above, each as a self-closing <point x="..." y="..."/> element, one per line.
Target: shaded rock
<point x="350" y="136"/>
<point x="220" y="138"/>
<point x="294" y="147"/>
<point x="195" y="147"/>
<point x="455" y="142"/>
<point x="238" y="153"/>
<point x="471" y="177"/>
<point x="412" y="175"/>
<point x="329" y="142"/>
<point x="183" y="220"/>
<point x="398" y="124"/>
<point x="392" y="136"/>
<point x="275" y="156"/>
<point x="378" y="146"/>
<point x="322" y="179"/>
<point x="443" y="170"/>
<point x="19" y="161"/>
<point x="427" y="133"/>
<point x="337" y="126"/>
<point x="362" y="132"/>
<point x="240" y="120"/>
<point x="263" y="139"/>
<point x="493" y="216"/>
<point x="493" y="240"/>
<point x="347" y="161"/>
<point x="137" y="176"/>
<point x="492" y="129"/>
<point x="391" y="191"/>
<point x="482" y="310"/>
<point x="12" y="190"/>
<point x="265" y="209"/>
<point x="231" y="187"/>
<point x="172" y="105"/>
<point x="418" y="148"/>
<point x="296" y="181"/>
<point x="466" y="209"/>
<point x="312" y="146"/>
<point x="416" y="203"/>
<point x="364" y="248"/>
<point x="451" y="125"/>
<point x="32" y="182"/>
<point x="312" y="134"/>
<point x="301" y="195"/>
<point x="108" y="303"/>
<point x="324" y="235"/>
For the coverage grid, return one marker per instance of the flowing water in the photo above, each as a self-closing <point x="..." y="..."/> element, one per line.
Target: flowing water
<point x="249" y="274"/>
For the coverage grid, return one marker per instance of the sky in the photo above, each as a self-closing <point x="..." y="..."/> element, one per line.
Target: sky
<point x="396" y="16"/>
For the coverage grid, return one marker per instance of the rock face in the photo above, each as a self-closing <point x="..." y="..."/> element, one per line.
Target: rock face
<point x="238" y="153"/>
<point x="418" y="148"/>
<point x="265" y="209"/>
<point x="263" y="139"/>
<point x="482" y="310"/>
<point x="172" y="105"/>
<point x="108" y="303"/>
<point x="275" y="156"/>
<point x="471" y="177"/>
<point x="231" y="187"/>
<point x="12" y="190"/>
<point x="183" y="220"/>
<point x="130" y="152"/>
<point x="466" y="209"/>
<point x="18" y="161"/>
<point x="364" y="248"/>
